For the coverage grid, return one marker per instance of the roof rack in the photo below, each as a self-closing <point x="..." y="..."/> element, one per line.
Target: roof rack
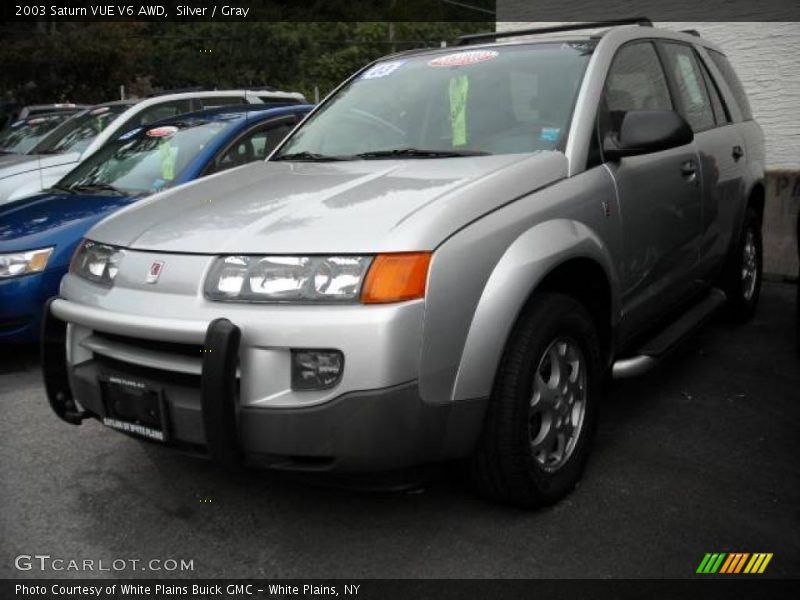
<point x="178" y="91"/>
<point x="693" y="32"/>
<point x="465" y="40"/>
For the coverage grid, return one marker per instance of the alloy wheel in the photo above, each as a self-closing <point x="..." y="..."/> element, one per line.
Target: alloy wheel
<point x="558" y="403"/>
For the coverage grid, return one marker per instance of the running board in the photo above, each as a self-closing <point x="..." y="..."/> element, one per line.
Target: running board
<point x="654" y="350"/>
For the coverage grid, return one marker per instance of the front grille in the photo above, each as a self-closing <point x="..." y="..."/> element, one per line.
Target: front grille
<point x="112" y="365"/>
<point x="188" y="350"/>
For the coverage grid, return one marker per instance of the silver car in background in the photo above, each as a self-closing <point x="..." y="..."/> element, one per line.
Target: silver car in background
<point x="445" y="260"/>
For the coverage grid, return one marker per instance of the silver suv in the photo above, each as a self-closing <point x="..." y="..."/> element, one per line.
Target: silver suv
<point x="445" y="260"/>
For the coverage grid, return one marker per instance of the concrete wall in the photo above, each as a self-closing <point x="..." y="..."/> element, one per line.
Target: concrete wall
<point x="780" y="222"/>
<point x="767" y="58"/>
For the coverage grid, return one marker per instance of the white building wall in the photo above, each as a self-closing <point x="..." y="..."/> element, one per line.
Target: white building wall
<point x="767" y="58"/>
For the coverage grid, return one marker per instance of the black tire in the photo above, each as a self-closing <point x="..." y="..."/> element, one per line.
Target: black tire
<point x="742" y="302"/>
<point x="504" y="467"/>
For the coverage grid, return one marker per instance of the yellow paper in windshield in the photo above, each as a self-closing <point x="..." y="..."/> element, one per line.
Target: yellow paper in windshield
<point x="459" y="86"/>
<point x="169" y="156"/>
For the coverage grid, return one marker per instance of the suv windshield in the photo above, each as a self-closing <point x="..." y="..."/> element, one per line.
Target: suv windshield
<point x="144" y="161"/>
<point x="500" y="100"/>
<point x="21" y="136"/>
<point x="75" y="134"/>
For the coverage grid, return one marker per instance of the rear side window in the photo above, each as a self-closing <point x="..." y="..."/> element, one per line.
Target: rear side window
<point x="159" y="111"/>
<point x="691" y="87"/>
<point x="736" y="87"/>
<point x="635" y="81"/>
<point x="221" y="101"/>
<point x="277" y="101"/>
<point x="720" y="111"/>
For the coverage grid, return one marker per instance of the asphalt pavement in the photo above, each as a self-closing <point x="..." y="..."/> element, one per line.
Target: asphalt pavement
<point x="700" y="455"/>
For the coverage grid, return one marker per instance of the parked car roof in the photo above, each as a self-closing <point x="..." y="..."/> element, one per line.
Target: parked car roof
<point x="39" y="109"/>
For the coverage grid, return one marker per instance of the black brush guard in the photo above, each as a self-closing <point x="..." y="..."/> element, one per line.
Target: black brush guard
<point x="218" y="385"/>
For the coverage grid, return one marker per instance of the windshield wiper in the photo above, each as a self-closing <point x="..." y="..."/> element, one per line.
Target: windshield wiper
<point x="62" y="188"/>
<point x="310" y="157"/>
<point x="97" y="187"/>
<point x="419" y="153"/>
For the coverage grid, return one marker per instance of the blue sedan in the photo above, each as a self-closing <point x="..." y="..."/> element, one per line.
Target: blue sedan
<point x="39" y="234"/>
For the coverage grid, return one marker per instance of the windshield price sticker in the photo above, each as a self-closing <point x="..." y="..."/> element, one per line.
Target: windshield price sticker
<point x="550" y="133"/>
<point x="382" y="69"/>
<point x="130" y="133"/>
<point x="460" y="59"/>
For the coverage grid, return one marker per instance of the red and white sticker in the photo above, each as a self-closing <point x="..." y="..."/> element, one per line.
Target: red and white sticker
<point x="460" y="59"/>
<point x="165" y="131"/>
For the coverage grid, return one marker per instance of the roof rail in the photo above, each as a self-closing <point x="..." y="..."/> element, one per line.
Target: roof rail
<point x="178" y="91"/>
<point x="693" y="32"/>
<point x="465" y="40"/>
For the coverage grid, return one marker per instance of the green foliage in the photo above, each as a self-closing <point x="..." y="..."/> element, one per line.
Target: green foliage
<point x="86" y="62"/>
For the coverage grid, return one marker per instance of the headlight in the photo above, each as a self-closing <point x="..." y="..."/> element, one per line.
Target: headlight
<point x="96" y="262"/>
<point x="23" y="263"/>
<point x="287" y="278"/>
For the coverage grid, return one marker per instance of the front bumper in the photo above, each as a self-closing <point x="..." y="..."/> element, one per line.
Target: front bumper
<point x="355" y="431"/>
<point x="22" y="301"/>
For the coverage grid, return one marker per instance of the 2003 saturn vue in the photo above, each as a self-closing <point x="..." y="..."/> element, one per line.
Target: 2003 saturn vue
<point x="443" y="261"/>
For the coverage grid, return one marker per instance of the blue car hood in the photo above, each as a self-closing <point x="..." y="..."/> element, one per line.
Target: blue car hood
<point x="53" y="219"/>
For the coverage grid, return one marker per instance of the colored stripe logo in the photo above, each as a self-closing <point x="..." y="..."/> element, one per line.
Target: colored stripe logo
<point x="734" y="563"/>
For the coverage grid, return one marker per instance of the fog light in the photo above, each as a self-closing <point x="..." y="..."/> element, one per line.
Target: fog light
<point x="316" y="369"/>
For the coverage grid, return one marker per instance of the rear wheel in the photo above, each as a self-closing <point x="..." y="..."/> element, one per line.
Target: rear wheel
<point x="541" y="416"/>
<point x="742" y="279"/>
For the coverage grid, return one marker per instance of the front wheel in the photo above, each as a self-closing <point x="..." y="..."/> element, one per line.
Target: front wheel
<point x="541" y="416"/>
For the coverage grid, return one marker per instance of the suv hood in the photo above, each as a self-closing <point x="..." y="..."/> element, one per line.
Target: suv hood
<point x="331" y="207"/>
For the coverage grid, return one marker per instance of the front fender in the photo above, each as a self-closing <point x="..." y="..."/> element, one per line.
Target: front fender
<point x="522" y="267"/>
<point x="481" y="276"/>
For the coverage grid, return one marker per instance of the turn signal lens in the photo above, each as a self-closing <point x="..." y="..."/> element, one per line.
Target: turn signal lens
<point x="396" y="278"/>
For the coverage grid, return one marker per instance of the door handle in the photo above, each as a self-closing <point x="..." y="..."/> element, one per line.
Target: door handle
<point x="737" y="152"/>
<point x="688" y="170"/>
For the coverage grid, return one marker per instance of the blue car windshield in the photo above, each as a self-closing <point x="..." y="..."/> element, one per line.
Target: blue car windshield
<point x="23" y="135"/>
<point x="145" y="160"/>
<point x="75" y="134"/>
<point x="498" y="100"/>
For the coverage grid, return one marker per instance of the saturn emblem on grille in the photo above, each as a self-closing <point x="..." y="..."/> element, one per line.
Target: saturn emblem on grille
<point x="155" y="271"/>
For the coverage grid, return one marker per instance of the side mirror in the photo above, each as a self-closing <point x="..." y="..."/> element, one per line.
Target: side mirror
<point x="645" y="131"/>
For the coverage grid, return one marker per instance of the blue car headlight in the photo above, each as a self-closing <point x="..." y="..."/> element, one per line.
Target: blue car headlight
<point x="16" y="264"/>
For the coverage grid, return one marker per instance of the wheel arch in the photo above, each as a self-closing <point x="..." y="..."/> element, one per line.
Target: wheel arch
<point x="585" y="280"/>
<point x="756" y="199"/>
<point x="562" y="256"/>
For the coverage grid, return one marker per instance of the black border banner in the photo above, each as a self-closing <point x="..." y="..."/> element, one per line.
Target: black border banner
<point x="705" y="587"/>
<point x="397" y="10"/>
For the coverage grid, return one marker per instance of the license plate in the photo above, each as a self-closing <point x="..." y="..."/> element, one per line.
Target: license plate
<point x="133" y="407"/>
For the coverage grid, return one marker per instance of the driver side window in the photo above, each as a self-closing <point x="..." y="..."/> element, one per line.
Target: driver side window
<point x="635" y="81"/>
<point x="254" y="145"/>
